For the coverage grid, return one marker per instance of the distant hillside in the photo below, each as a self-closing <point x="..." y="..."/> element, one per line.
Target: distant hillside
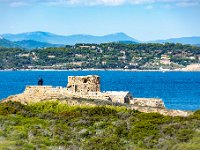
<point x="197" y="45"/>
<point x="30" y="44"/>
<point x="26" y="44"/>
<point x="45" y="39"/>
<point x="8" y="44"/>
<point x="183" y="40"/>
<point x="103" y="56"/>
<point x="128" y="42"/>
<point x="68" y="40"/>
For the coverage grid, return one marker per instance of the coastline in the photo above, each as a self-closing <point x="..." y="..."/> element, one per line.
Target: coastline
<point x="92" y="69"/>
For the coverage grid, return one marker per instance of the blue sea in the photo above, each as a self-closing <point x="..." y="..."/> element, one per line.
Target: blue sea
<point x="178" y="90"/>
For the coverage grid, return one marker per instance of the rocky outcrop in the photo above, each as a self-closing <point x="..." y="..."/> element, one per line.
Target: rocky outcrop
<point x="148" y="102"/>
<point x="155" y="105"/>
<point x="162" y="111"/>
<point x="192" y="67"/>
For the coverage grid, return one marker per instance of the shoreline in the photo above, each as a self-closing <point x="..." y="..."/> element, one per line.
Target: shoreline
<point x="91" y="69"/>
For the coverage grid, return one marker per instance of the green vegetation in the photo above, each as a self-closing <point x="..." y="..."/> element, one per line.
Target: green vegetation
<point x="52" y="125"/>
<point x="102" y="56"/>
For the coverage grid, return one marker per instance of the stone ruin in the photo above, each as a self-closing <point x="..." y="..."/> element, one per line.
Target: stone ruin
<point x="88" y="87"/>
<point x="82" y="87"/>
<point x="83" y="84"/>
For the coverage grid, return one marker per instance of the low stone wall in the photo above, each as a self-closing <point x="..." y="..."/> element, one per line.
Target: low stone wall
<point x="33" y="94"/>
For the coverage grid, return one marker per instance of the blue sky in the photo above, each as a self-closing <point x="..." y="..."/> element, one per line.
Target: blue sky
<point x="141" y="19"/>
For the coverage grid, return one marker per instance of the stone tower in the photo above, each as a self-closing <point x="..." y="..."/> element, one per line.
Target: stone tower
<point x="83" y="84"/>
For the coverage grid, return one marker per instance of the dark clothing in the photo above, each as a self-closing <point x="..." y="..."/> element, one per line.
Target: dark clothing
<point x="40" y="82"/>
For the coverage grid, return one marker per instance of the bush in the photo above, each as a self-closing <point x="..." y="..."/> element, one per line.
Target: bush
<point x="184" y="135"/>
<point x="51" y="124"/>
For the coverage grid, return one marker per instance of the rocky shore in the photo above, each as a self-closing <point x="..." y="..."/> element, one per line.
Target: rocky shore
<point x="139" y="104"/>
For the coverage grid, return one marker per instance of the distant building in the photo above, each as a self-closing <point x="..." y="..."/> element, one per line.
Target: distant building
<point x="78" y="63"/>
<point x="120" y="97"/>
<point x="93" y="47"/>
<point x="24" y="55"/>
<point x="165" y="59"/>
<point x="84" y="46"/>
<point x="51" y="56"/>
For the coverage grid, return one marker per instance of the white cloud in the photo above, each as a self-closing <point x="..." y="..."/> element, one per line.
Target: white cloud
<point x="18" y="4"/>
<point x="188" y="4"/>
<point x="149" y="7"/>
<point x="179" y="3"/>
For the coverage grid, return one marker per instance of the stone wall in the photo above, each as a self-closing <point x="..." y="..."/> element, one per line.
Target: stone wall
<point x="83" y="84"/>
<point x="34" y="94"/>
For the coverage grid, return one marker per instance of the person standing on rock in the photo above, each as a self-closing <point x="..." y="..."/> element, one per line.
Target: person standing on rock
<point x="40" y="82"/>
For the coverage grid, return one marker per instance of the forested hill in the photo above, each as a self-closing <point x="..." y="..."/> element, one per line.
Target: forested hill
<point x="26" y="44"/>
<point x="102" y="56"/>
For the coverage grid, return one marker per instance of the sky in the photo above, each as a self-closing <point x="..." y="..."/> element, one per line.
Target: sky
<point x="143" y="20"/>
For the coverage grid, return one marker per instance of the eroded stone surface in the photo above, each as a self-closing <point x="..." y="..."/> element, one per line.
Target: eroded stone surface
<point x="148" y="102"/>
<point x="162" y="111"/>
<point x="83" y="84"/>
<point x="33" y="94"/>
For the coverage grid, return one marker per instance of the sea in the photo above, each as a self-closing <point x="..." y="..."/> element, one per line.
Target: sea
<point x="178" y="90"/>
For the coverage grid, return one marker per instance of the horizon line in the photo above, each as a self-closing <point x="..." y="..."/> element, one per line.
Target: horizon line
<point x="86" y="34"/>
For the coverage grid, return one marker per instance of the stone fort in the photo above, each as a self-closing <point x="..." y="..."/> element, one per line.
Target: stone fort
<point x="87" y="87"/>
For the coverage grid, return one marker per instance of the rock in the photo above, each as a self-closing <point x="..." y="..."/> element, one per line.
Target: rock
<point x="162" y="111"/>
<point x="148" y="102"/>
<point x="192" y="67"/>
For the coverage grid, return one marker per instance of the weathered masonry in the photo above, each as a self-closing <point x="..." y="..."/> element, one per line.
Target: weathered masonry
<point x="81" y="87"/>
<point x="83" y="84"/>
<point x="120" y="97"/>
<point x="89" y="87"/>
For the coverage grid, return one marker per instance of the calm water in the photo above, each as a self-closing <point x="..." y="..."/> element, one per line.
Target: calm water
<point x="179" y="90"/>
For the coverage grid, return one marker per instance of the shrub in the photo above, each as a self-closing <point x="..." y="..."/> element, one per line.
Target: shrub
<point x="184" y="135"/>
